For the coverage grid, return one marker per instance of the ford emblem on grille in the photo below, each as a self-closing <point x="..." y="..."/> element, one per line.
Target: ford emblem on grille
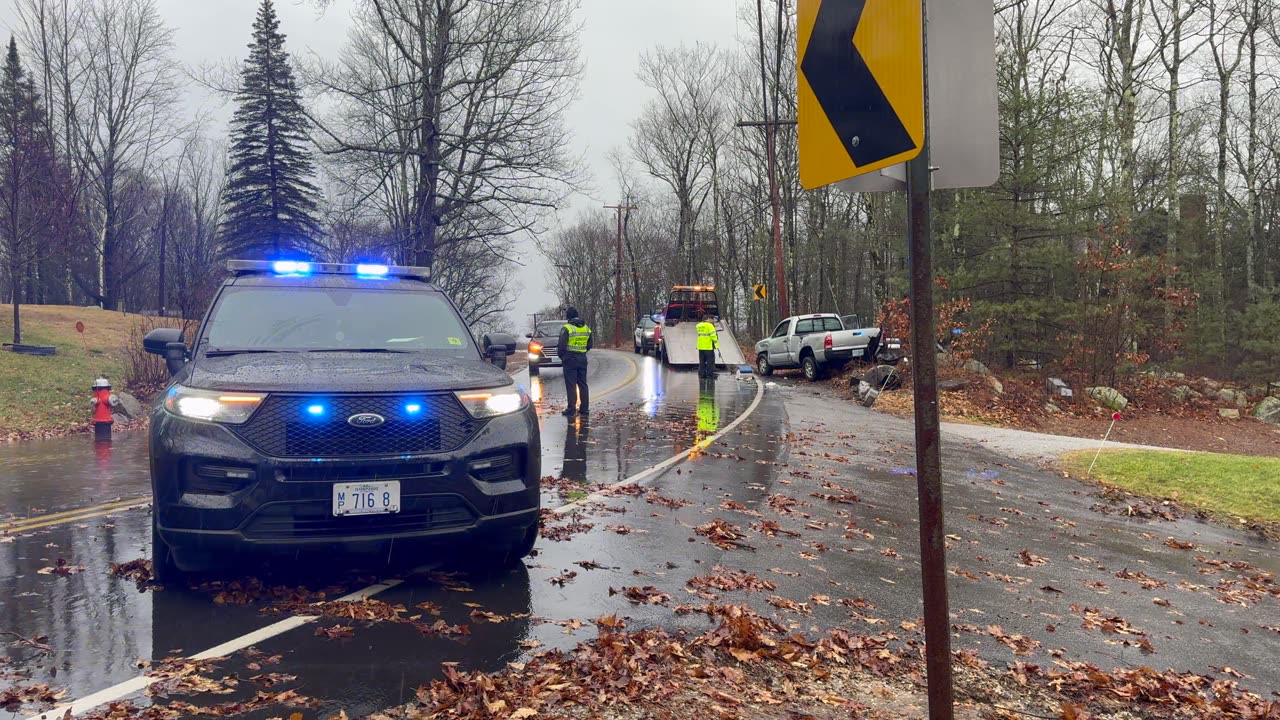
<point x="366" y="420"/>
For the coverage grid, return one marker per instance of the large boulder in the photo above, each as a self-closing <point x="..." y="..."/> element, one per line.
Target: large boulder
<point x="1231" y="397"/>
<point x="953" y="384"/>
<point x="974" y="366"/>
<point x="128" y="405"/>
<point x="1184" y="394"/>
<point x="1058" y="389"/>
<point x="1268" y="411"/>
<point x="995" y="384"/>
<point x="1109" y="397"/>
<point x="1229" y="413"/>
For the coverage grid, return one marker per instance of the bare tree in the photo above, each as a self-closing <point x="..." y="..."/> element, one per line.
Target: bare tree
<point x="677" y="134"/>
<point x="450" y="113"/>
<point x="123" y="110"/>
<point x="1171" y="19"/>
<point x="1227" y="39"/>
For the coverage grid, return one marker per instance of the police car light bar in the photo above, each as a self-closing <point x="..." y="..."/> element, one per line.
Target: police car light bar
<point x="304" y="268"/>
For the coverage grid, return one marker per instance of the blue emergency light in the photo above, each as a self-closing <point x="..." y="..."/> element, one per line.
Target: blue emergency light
<point x="304" y="268"/>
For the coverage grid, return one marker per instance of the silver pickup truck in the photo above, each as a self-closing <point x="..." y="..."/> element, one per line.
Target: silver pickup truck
<point x="815" y="344"/>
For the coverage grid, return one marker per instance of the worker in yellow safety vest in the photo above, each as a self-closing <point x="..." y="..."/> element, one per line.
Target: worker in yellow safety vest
<point x="708" y="344"/>
<point x="575" y="342"/>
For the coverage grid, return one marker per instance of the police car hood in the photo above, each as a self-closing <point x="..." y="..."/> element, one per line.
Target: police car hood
<point x="344" y="373"/>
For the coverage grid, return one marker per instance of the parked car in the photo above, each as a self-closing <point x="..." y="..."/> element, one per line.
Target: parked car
<point x="816" y="344"/>
<point x="544" y="345"/>
<point x="644" y="335"/>
<point x="338" y="410"/>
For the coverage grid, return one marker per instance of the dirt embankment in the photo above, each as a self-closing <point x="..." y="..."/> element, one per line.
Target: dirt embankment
<point x="1158" y="412"/>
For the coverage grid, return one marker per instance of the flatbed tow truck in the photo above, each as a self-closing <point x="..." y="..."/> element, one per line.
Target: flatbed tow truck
<point x="677" y="334"/>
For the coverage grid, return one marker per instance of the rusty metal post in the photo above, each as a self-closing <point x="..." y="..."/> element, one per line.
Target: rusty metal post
<point x="924" y="371"/>
<point x="617" y="276"/>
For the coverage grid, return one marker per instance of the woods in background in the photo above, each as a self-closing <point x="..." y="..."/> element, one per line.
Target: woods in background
<point x="1135" y="219"/>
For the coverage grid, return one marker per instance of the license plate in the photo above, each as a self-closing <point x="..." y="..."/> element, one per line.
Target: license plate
<point x="371" y="498"/>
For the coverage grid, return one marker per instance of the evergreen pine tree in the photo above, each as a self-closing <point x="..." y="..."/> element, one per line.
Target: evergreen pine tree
<point x="270" y="202"/>
<point x="26" y="171"/>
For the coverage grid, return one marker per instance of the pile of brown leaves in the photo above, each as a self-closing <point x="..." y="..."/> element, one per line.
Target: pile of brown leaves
<point x="1190" y="694"/>
<point x="249" y="590"/>
<point x="723" y="580"/>
<point x="367" y="610"/>
<point x="39" y="694"/>
<point x="140" y="571"/>
<point x="725" y="535"/>
<point x="650" y="667"/>
<point x="559" y="528"/>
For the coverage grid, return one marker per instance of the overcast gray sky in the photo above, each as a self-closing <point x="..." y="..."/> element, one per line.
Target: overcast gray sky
<point x="615" y="32"/>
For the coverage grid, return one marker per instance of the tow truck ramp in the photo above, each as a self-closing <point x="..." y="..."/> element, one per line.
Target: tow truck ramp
<point x="678" y="343"/>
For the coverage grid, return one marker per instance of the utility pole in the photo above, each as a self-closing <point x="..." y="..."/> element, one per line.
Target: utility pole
<point x="617" y="275"/>
<point x="924" y="381"/>
<point x="780" y="275"/>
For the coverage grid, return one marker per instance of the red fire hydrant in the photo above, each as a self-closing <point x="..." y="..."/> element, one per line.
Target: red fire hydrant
<point x="103" y="401"/>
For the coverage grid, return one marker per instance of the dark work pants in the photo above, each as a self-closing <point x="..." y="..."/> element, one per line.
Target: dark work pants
<point x="575" y="384"/>
<point x="706" y="363"/>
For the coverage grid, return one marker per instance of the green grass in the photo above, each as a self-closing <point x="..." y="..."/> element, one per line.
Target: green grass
<point x="1237" y="485"/>
<point x="575" y="495"/>
<point x="42" y="396"/>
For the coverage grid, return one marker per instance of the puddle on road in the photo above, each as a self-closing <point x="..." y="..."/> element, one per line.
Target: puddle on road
<point x="101" y="630"/>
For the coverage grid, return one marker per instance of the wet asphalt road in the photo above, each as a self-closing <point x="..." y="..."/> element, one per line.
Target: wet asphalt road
<point x="765" y="479"/>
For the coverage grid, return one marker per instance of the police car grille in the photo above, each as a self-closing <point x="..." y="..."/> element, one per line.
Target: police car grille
<point x="282" y="427"/>
<point x="313" y="519"/>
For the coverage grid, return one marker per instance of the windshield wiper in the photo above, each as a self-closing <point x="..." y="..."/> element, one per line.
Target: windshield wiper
<point x="220" y="352"/>
<point x="361" y="350"/>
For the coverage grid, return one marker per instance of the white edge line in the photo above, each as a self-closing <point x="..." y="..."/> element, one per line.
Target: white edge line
<point x="655" y="469"/>
<point x="140" y="683"/>
<point x="137" y="684"/>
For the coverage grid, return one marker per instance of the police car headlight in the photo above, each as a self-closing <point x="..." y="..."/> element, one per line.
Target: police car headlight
<point x="210" y="405"/>
<point x="492" y="403"/>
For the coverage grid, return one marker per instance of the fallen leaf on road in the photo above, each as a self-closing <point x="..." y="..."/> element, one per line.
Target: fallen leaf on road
<point x="1030" y="560"/>
<point x="564" y="578"/>
<point x="61" y="569"/>
<point x="335" y="632"/>
<point x="647" y="595"/>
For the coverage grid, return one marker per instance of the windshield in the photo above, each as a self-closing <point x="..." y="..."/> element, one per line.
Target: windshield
<point x="548" y="328"/>
<point x="334" y="319"/>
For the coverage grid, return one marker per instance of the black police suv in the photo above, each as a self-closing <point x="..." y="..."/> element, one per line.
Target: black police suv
<point x="327" y="409"/>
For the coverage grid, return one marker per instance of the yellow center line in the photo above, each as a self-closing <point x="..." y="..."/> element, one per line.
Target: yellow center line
<point x="67" y="516"/>
<point x="631" y="376"/>
<point x="38" y="522"/>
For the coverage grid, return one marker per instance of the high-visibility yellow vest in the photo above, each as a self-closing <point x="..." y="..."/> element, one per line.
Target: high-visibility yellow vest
<point x="579" y="336"/>
<point x="707" y="337"/>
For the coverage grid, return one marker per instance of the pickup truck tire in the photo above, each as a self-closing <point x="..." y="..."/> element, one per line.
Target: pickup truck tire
<point x="812" y="370"/>
<point x="762" y="365"/>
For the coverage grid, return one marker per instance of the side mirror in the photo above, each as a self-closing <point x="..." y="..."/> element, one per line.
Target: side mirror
<point x="167" y="342"/>
<point x="497" y="346"/>
<point x="529" y="335"/>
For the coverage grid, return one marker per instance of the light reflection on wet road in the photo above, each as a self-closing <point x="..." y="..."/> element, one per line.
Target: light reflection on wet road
<point x="820" y="491"/>
<point x="100" y="627"/>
